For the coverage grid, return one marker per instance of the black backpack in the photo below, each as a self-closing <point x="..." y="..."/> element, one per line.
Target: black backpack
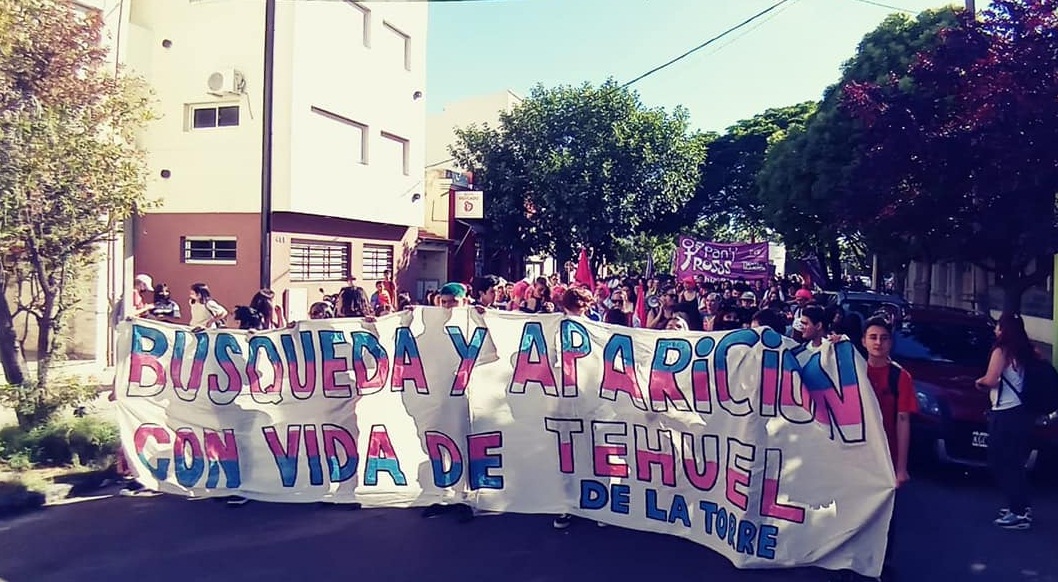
<point x="1039" y="392"/>
<point x="894" y="389"/>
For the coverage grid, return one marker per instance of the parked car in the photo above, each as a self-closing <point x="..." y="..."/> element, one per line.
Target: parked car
<point x="946" y="350"/>
<point x="867" y="303"/>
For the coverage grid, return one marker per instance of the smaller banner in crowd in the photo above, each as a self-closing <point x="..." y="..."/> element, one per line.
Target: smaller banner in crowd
<point x="716" y="261"/>
<point x="745" y="442"/>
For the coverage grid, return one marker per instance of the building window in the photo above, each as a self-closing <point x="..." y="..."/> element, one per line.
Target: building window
<point x="396" y="152"/>
<point x="217" y="249"/>
<point x="354" y="134"/>
<point x="365" y="19"/>
<point x="210" y="117"/>
<point x="401" y="44"/>
<point x="318" y="261"/>
<point x="377" y="260"/>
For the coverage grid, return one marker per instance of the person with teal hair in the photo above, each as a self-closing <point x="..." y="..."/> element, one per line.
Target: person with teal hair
<point x="452" y="295"/>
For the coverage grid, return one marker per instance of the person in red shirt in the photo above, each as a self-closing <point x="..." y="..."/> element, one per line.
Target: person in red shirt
<point x="896" y="403"/>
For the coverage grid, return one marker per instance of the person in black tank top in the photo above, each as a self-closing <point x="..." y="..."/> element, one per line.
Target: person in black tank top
<point x="688" y="304"/>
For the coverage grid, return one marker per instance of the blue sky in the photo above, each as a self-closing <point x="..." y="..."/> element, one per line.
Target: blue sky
<point x="790" y="56"/>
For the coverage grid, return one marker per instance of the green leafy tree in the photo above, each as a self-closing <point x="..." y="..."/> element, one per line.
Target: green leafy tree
<point x="631" y="254"/>
<point x="808" y="181"/>
<point x="581" y="166"/>
<point x="727" y="203"/>
<point x="70" y="171"/>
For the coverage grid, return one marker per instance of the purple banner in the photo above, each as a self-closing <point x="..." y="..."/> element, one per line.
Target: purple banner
<point x="717" y="261"/>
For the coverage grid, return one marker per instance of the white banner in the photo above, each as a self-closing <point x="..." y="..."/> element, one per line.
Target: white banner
<point x="769" y="454"/>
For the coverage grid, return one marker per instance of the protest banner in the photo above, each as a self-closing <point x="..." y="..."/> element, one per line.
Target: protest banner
<point x="717" y="261"/>
<point x="744" y="442"/>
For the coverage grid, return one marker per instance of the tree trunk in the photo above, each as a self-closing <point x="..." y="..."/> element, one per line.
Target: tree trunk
<point x="45" y="331"/>
<point x="824" y="268"/>
<point x="929" y="282"/>
<point x="900" y="281"/>
<point x="1012" y="294"/>
<point x="14" y="365"/>
<point x="834" y="254"/>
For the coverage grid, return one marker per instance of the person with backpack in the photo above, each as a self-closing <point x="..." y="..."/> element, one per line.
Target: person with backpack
<point x="894" y="390"/>
<point x="1022" y="387"/>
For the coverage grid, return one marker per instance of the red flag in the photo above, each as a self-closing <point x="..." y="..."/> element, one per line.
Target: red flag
<point x="641" y="305"/>
<point x="584" y="274"/>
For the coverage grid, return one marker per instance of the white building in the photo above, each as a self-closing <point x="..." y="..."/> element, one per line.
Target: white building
<point x="336" y="191"/>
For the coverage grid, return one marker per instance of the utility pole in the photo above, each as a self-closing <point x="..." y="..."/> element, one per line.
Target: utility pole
<point x="970" y="7"/>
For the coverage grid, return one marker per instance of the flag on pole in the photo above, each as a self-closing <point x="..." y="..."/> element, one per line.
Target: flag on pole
<point x="584" y="275"/>
<point x="641" y="305"/>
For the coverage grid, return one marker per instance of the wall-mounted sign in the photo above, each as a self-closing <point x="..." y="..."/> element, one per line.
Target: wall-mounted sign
<point x="470" y="204"/>
<point x="459" y="179"/>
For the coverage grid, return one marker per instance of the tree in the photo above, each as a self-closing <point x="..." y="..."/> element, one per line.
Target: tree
<point x="808" y="181"/>
<point x="581" y="166"/>
<point x="963" y="152"/>
<point x="727" y="203"/>
<point x="69" y="172"/>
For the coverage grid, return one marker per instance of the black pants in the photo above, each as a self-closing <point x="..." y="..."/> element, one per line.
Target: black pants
<point x="888" y="561"/>
<point x="1008" y="451"/>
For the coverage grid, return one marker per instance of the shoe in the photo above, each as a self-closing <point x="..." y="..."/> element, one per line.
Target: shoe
<point x="434" y="510"/>
<point x="1028" y="512"/>
<point x="600" y="524"/>
<point x="1011" y="521"/>
<point x="562" y="521"/>
<point x="237" y="501"/>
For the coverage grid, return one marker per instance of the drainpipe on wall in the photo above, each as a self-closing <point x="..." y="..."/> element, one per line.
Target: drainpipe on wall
<point x="266" y="144"/>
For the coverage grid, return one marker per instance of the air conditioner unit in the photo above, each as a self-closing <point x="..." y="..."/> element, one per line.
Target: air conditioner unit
<point x="226" y="82"/>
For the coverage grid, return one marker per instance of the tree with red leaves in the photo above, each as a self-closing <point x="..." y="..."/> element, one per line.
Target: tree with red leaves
<point x="962" y="153"/>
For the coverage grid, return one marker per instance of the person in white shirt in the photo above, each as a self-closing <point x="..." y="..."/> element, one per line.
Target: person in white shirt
<point x="206" y="312"/>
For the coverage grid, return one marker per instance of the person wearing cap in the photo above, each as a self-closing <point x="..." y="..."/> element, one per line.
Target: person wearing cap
<point x="142" y="284"/>
<point x="747" y="307"/>
<point x="801" y="299"/>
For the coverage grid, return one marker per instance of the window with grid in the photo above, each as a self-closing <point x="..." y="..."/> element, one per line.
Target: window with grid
<point x="377" y="260"/>
<point x="209" y="250"/>
<point x="318" y="261"/>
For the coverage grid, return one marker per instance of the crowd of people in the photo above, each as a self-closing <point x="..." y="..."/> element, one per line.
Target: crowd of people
<point x="786" y="305"/>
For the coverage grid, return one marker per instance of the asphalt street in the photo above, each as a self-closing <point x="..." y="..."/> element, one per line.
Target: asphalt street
<point x="945" y="533"/>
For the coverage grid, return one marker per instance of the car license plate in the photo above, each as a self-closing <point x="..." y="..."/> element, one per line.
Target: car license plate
<point x="979" y="439"/>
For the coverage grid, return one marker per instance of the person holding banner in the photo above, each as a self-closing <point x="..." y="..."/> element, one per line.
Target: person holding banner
<point x="895" y="391"/>
<point x="813" y="327"/>
<point x="486" y="289"/>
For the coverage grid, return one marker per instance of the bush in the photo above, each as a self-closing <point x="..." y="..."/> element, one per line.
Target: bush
<point x="36" y="407"/>
<point x="82" y="441"/>
<point x="20" y="462"/>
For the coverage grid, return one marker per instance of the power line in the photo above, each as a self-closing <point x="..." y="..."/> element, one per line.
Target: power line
<point x="751" y="29"/>
<point x="735" y="28"/>
<point x="887" y="6"/>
